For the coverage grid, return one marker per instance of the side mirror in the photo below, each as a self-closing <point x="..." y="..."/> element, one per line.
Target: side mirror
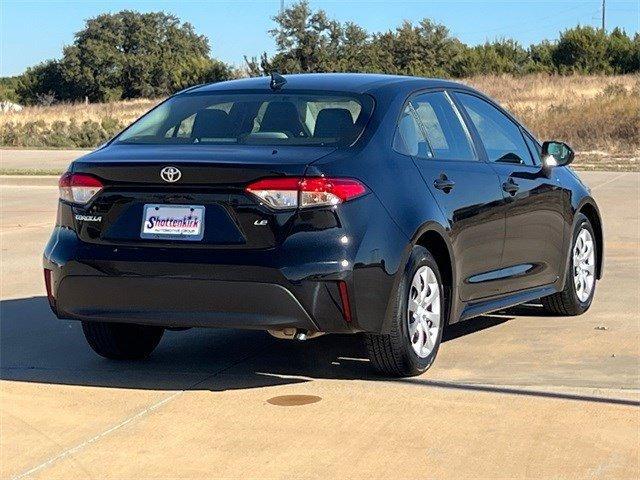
<point x="556" y="154"/>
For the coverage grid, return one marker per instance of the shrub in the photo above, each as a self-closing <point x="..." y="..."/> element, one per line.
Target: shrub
<point x="582" y="50"/>
<point x="59" y="134"/>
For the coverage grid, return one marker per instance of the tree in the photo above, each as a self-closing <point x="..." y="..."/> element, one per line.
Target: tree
<point x="621" y="52"/>
<point x="582" y="50"/>
<point x="127" y="55"/>
<point x="541" y="57"/>
<point x="310" y="41"/>
<point x="44" y="83"/>
<point x="8" y="86"/>
<point x="426" y="49"/>
<point x="130" y="54"/>
<point x="306" y="41"/>
<point x="498" y="57"/>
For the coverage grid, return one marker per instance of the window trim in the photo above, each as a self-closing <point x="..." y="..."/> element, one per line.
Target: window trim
<point x="537" y="160"/>
<point x="478" y="157"/>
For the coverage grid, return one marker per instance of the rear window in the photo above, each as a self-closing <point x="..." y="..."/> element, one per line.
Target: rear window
<point x="253" y="119"/>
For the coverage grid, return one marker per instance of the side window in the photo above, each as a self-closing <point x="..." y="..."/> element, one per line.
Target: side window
<point x="408" y="138"/>
<point x="444" y="130"/>
<point x="502" y="139"/>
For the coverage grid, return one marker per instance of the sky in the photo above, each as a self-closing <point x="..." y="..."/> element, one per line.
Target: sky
<point x="32" y="31"/>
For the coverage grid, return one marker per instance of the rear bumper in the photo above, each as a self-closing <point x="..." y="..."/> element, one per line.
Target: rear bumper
<point x="179" y="302"/>
<point x="296" y="284"/>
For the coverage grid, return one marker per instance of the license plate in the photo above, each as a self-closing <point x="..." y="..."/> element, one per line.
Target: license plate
<point x="173" y="222"/>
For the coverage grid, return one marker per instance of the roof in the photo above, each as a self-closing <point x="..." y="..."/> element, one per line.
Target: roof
<point x="345" y="82"/>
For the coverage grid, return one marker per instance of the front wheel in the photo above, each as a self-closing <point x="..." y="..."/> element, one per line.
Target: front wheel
<point x="412" y="344"/>
<point x="580" y="283"/>
<point x="122" y="341"/>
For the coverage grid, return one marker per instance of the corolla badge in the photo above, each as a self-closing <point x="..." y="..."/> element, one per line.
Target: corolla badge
<point x="170" y="174"/>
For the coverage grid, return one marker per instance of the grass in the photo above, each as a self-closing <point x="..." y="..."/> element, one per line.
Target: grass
<point x="598" y="115"/>
<point x="125" y="112"/>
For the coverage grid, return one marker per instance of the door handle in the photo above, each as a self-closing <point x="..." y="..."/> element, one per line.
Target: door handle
<point x="510" y="186"/>
<point x="444" y="183"/>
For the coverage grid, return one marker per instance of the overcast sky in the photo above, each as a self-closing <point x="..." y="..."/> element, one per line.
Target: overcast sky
<point x="33" y="31"/>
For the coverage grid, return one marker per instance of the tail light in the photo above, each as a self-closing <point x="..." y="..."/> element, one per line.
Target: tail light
<point x="78" y="187"/>
<point x="344" y="299"/>
<point x="48" y="286"/>
<point x="292" y="192"/>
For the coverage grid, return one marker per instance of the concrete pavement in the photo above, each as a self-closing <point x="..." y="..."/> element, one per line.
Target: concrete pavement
<point x="515" y="394"/>
<point x="24" y="159"/>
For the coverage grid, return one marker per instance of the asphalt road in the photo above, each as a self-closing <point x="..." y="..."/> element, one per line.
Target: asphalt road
<point x="516" y="394"/>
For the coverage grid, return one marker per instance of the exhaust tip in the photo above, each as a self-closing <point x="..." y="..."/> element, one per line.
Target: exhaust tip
<point x="301" y="335"/>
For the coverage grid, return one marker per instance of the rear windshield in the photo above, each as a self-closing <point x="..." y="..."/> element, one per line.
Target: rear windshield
<point x="277" y="118"/>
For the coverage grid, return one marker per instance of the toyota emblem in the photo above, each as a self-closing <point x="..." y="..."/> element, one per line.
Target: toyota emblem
<point x="170" y="174"/>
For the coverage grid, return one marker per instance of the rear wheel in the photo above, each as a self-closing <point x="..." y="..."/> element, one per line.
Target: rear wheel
<point x="580" y="284"/>
<point x="122" y="341"/>
<point x="412" y="344"/>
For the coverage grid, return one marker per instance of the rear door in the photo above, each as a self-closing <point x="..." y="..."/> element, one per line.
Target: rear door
<point x="533" y="198"/>
<point x="466" y="189"/>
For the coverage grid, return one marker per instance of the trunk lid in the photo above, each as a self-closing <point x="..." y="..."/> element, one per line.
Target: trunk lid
<point x="213" y="177"/>
<point x="231" y="165"/>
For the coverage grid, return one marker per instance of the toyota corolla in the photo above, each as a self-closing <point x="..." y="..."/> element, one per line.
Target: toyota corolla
<point x="325" y="203"/>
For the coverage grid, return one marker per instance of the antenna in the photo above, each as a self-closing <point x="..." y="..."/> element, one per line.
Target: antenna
<point x="277" y="81"/>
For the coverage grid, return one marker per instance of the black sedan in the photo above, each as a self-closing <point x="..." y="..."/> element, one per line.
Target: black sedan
<point x="307" y="204"/>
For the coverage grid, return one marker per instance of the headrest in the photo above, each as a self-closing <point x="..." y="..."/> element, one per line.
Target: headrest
<point x="333" y="122"/>
<point x="211" y="123"/>
<point x="281" y="117"/>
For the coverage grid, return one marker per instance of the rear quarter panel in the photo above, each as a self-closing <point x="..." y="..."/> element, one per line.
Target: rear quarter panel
<point x="406" y="209"/>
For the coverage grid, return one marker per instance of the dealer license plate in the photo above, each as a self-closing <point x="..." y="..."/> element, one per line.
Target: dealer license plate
<point x="173" y="222"/>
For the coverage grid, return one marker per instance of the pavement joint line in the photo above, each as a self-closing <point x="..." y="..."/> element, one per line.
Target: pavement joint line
<point x="95" y="438"/>
<point x="70" y="451"/>
<point x="52" y="440"/>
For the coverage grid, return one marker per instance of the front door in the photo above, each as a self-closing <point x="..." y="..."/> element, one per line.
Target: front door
<point x="533" y="198"/>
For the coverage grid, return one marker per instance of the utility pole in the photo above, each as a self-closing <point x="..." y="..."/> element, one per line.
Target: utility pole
<point x="603" y="10"/>
<point x="282" y="6"/>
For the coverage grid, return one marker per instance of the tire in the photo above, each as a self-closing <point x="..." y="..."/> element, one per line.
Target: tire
<point x="394" y="354"/>
<point x="122" y="341"/>
<point x="568" y="301"/>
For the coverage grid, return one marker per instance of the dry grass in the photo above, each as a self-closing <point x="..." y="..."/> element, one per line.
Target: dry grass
<point x="596" y="114"/>
<point x="544" y="91"/>
<point x="126" y="112"/>
<point x="593" y="113"/>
